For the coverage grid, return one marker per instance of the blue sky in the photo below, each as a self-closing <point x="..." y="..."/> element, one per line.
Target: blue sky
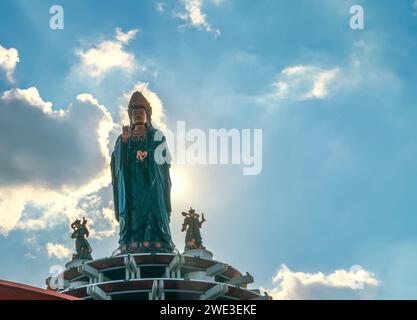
<point x="336" y="106"/>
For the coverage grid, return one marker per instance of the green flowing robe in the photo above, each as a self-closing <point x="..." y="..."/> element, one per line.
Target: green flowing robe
<point x="142" y="192"/>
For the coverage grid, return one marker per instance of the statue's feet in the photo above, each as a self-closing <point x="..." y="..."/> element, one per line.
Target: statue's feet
<point x="149" y="247"/>
<point x="139" y="247"/>
<point x="134" y="247"/>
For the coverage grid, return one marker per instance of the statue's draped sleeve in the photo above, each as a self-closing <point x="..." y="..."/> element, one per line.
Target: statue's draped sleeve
<point x="118" y="172"/>
<point x="164" y="174"/>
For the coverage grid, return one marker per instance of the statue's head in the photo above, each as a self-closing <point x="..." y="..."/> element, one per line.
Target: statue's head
<point x="140" y="110"/>
<point x="76" y="224"/>
<point x="192" y="212"/>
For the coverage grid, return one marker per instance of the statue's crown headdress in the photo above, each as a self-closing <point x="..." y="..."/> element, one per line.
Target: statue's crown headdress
<point x="75" y="223"/>
<point x="138" y="100"/>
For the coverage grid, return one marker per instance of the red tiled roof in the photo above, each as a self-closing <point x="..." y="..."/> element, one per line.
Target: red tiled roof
<point x="17" y="291"/>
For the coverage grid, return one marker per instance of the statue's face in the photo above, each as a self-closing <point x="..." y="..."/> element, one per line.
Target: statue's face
<point x="139" y="116"/>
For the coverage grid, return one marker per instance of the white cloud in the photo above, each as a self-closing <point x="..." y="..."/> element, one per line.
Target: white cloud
<point x="107" y="55"/>
<point x="218" y="2"/>
<point x="160" y="6"/>
<point x="303" y="82"/>
<point x="57" y="251"/>
<point x="308" y="82"/>
<point x="31" y="96"/>
<point x="52" y="148"/>
<point x="58" y="162"/>
<point x="30" y="256"/>
<point x="107" y="216"/>
<point x="9" y="58"/>
<point x="355" y="283"/>
<point x="194" y="17"/>
<point x="51" y="162"/>
<point x="125" y="37"/>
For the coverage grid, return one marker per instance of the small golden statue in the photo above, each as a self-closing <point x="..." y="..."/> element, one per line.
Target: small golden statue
<point x="192" y="225"/>
<point x="80" y="233"/>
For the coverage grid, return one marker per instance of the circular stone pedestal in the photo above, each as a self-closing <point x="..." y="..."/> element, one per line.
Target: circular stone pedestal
<point x="73" y="264"/>
<point x="193" y="275"/>
<point x="199" y="253"/>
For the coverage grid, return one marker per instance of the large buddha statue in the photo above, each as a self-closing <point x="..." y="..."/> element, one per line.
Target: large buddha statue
<point x="142" y="183"/>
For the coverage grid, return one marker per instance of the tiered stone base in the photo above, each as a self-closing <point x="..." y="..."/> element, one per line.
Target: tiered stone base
<point x="192" y="275"/>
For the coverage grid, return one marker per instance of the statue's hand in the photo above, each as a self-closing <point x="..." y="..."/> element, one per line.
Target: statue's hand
<point x="125" y="134"/>
<point x="141" y="155"/>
